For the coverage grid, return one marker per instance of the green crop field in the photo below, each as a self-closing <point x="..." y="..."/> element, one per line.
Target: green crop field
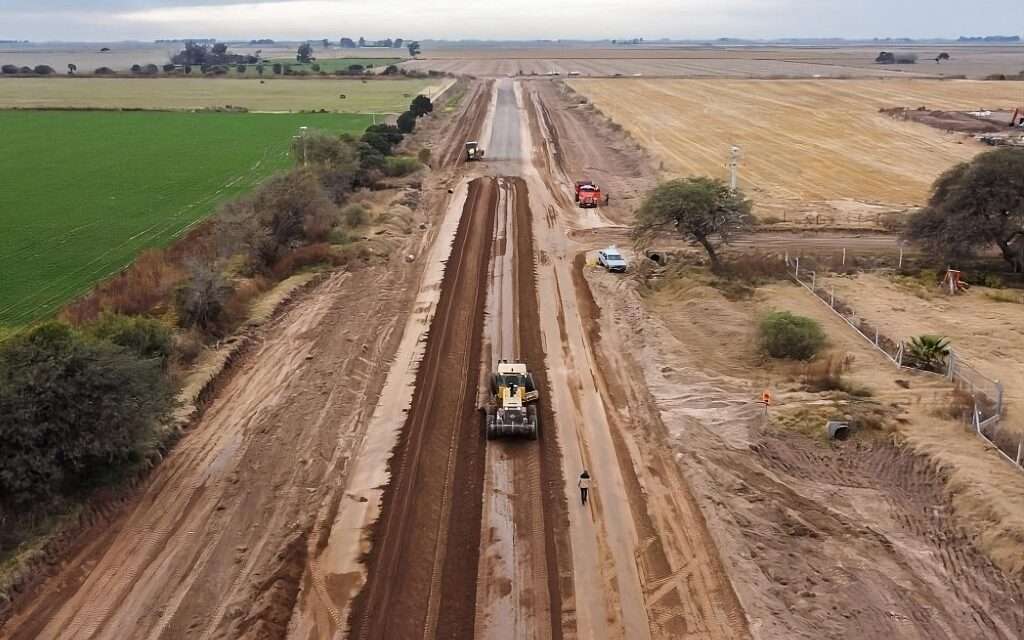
<point x="275" y="93"/>
<point x="84" y="192"/>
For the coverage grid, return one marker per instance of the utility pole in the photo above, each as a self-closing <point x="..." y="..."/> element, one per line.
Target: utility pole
<point x="303" y="134"/>
<point x="734" y="163"/>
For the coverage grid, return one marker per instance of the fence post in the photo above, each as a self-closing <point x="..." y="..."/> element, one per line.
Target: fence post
<point x="787" y="258"/>
<point x="1020" y="452"/>
<point x="899" y="355"/>
<point x="814" y="277"/>
<point x="844" y="256"/>
<point x="876" y="337"/>
<point x="797" y="273"/>
<point x="832" y="298"/>
<point x="999" y="398"/>
<point x="950" y="364"/>
<point x="977" y="419"/>
<point x="901" y="255"/>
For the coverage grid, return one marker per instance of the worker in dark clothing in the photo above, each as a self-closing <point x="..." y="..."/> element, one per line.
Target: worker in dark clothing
<point x="584" y="485"/>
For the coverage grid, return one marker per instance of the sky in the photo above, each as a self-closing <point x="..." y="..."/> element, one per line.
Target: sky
<point x="105" y="20"/>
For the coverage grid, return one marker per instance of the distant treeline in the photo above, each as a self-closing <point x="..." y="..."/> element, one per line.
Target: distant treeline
<point x="989" y="39"/>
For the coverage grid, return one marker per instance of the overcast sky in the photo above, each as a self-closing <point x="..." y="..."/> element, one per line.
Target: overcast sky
<point x="97" y="20"/>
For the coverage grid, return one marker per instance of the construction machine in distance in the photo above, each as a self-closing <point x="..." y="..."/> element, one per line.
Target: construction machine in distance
<point x="511" y="412"/>
<point x="473" y="151"/>
<point x="588" y="194"/>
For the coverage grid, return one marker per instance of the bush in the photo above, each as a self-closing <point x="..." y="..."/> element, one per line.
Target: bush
<point x="355" y="215"/>
<point x="893" y="221"/>
<point x="145" y="337"/>
<point x="315" y="67"/>
<point x="784" y="335"/>
<point x="9" y="69"/>
<point x="103" y="71"/>
<point x="277" y="68"/>
<point x="397" y="167"/>
<point x="43" y="70"/>
<point x="25" y="70"/>
<point x="135" y="68"/>
<point x="169" y="68"/>
<point x="407" y="122"/>
<point x="390" y="70"/>
<point x="202" y="299"/>
<point x="150" y="70"/>
<point x="423" y="156"/>
<point x="304" y="257"/>
<point x="240" y="68"/>
<point x="71" y="407"/>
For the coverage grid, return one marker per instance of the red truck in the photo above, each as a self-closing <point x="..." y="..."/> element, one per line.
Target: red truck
<point x="588" y="194"/>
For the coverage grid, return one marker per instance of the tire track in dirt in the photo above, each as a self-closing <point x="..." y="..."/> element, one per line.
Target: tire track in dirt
<point x="425" y="546"/>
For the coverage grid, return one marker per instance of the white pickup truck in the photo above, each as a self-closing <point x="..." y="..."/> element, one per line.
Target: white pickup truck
<point x="611" y="260"/>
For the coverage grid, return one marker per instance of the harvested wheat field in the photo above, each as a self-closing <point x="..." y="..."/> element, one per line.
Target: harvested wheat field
<point x="806" y="144"/>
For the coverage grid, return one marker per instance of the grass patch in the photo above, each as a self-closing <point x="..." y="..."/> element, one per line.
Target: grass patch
<point x="113" y="184"/>
<point x="1005" y="296"/>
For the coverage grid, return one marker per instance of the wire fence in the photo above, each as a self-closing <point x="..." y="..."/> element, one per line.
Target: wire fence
<point x="975" y="398"/>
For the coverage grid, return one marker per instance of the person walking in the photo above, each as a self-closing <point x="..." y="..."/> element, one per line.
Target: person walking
<point x="584" y="485"/>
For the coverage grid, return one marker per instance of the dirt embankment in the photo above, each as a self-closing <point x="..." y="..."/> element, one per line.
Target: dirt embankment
<point x="425" y="546"/>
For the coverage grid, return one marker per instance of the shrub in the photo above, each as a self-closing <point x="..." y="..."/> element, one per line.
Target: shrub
<point x="304" y="257"/>
<point x="277" y="68"/>
<point x="893" y="221"/>
<point x="240" y="68"/>
<point x="145" y="337"/>
<point x="43" y="70"/>
<point x="423" y="156"/>
<point x="169" y="68"/>
<point x="9" y="69"/>
<point x="202" y="299"/>
<point x="927" y="352"/>
<point x="390" y="70"/>
<point x="135" y="68"/>
<point x="150" y="70"/>
<point x="103" y="71"/>
<point x="355" y="215"/>
<point x="396" y="167"/>
<point x="315" y="67"/>
<point x="784" y="335"/>
<point x="71" y="407"/>
<point x="25" y="70"/>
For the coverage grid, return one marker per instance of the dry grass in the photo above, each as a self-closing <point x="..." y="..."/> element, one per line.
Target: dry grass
<point x="803" y="140"/>
<point x="140" y="289"/>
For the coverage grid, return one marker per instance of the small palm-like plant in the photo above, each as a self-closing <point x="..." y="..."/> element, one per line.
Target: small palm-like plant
<point x="928" y="352"/>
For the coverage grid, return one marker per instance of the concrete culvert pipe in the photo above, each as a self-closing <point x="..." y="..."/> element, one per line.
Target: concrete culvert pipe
<point x="837" y="430"/>
<point x="655" y="257"/>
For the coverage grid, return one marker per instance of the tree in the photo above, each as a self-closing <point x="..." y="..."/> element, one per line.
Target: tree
<point x="927" y="352"/>
<point x="399" y="43"/>
<point x="407" y="122"/>
<point x="942" y="56"/>
<point x="362" y="41"/>
<point x="104" y="71"/>
<point x="9" y="69"/>
<point x="259" y="69"/>
<point x="169" y="68"/>
<point x="325" y="43"/>
<point x="220" y="50"/>
<point x="277" y="68"/>
<point x="136" y="68"/>
<point x="421" y="106"/>
<point x="347" y="43"/>
<point x="976" y="205"/>
<point x="150" y="70"/>
<point x="382" y="137"/>
<point x="321" y="149"/>
<point x="885" y="57"/>
<point x="356" y="69"/>
<point x="414" y="48"/>
<point x="43" y="70"/>
<point x="305" y="53"/>
<point x="72" y="68"/>
<point x="698" y="208"/>
<point x="72" y="407"/>
<point x="390" y="70"/>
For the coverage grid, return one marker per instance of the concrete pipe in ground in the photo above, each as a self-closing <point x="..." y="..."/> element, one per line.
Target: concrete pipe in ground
<point x="837" y="430"/>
